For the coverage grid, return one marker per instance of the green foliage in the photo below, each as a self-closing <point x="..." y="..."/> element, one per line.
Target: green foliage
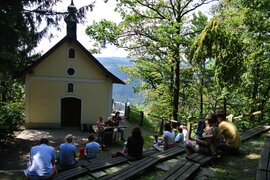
<point x="157" y="35"/>
<point x="11" y="117"/>
<point x="148" y="122"/>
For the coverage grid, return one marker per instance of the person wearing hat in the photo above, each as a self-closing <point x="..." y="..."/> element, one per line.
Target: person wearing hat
<point x="231" y="138"/>
<point x="68" y="152"/>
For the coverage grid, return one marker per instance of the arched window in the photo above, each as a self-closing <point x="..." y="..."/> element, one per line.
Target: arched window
<point x="70" y="87"/>
<point x="71" y="53"/>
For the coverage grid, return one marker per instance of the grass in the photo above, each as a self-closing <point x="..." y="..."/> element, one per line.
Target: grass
<point x="148" y="122"/>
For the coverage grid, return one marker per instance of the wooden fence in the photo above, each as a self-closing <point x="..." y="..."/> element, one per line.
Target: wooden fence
<point x="162" y="119"/>
<point x="189" y="125"/>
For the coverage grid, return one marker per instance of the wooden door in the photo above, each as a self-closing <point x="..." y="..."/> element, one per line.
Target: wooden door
<point x="70" y="112"/>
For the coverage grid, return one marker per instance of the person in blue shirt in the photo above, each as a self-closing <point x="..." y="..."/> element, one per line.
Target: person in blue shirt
<point x="92" y="148"/>
<point x="179" y="137"/>
<point x="42" y="161"/>
<point x="68" y="152"/>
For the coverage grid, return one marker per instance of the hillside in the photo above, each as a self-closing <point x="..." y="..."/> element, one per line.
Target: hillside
<point x="121" y="93"/>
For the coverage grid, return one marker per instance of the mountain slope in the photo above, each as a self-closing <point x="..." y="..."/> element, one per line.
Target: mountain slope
<point x="121" y="93"/>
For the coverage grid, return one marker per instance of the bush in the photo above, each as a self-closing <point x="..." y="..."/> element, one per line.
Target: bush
<point x="11" y="117"/>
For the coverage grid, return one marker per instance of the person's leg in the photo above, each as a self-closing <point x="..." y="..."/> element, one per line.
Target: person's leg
<point x="122" y="133"/>
<point x="115" y="130"/>
<point x="225" y="148"/>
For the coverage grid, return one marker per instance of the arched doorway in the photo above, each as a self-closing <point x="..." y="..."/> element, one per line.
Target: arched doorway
<point x="70" y="112"/>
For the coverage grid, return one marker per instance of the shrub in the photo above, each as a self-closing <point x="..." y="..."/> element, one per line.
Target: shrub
<point x="11" y="117"/>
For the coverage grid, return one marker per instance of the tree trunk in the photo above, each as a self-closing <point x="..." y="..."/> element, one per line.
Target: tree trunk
<point x="225" y="105"/>
<point x="176" y="89"/>
<point x="201" y="97"/>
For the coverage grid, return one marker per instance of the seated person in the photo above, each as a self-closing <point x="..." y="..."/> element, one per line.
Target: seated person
<point x="179" y="137"/>
<point x="232" y="140"/>
<point x="110" y="122"/>
<point x="168" y="137"/>
<point x="81" y="154"/>
<point x="158" y="144"/>
<point x="68" y="152"/>
<point x="92" y="148"/>
<point x="207" y="143"/>
<point x="134" y="145"/>
<point x="42" y="161"/>
<point x="100" y="131"/>
<point x="185" y="132"/>
<point x="117" y="121"/>
<point x="100" y="125"/>
<point x="200" y="129"/>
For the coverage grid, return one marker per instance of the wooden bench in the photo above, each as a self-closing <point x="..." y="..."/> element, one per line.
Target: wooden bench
<point x="263" y="171"/>
<point x="87" y="166"/>
<point x="253" y="132"/>
<point x="145" y="164"/>
<point x="182" y="170"/>
<point x="132" y="170"/>
<point x="202" y="159"/>
<point x="90" y="166"/>
<point x="186" y="169"/>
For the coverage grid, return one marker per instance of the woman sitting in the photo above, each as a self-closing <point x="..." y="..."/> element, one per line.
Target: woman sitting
<point x="134" y="146"/>
<point x="168" y="137"/>
<point x="135" y="143"/>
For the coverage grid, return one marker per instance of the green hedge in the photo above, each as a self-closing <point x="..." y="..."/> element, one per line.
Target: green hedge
<point x="11" y="117"/>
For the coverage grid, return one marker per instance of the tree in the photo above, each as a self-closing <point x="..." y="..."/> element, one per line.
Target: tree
<point x="220" y="43"/>
<point x="236" y="45"/>
<point x="157" y="36"/>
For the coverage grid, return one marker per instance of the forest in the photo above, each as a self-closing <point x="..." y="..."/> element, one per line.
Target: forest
<point x="189" y="64"/>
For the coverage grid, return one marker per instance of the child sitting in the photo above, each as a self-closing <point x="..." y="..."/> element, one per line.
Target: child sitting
<point x="158" y="144"/>
<point x="81" y="154"/>
<point x="200" y="130"/>
<point x="179" y="137"/>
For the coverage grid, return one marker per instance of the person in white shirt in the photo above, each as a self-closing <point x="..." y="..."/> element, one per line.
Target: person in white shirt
<point x="185" y="132"/>
<point x="168" y="137"/>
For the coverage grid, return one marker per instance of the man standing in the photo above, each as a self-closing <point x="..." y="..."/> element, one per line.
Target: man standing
<point x="42" y="161"/>
<point x="230" y="134"/>
<point x="92" y="148"/>
<point x="68" y="152"/>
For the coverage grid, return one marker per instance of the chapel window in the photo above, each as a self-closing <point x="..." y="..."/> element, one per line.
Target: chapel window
<point x="70" y="87"/>
<point x="71" y="53"/>
<point x="70" y="71"/>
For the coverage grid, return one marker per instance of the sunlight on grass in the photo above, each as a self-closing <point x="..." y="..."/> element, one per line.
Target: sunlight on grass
<point x="219" y="170"/>
<point x="253" y="156"/>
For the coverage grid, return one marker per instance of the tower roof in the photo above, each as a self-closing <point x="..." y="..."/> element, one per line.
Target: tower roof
<point x="71" y="21"/>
